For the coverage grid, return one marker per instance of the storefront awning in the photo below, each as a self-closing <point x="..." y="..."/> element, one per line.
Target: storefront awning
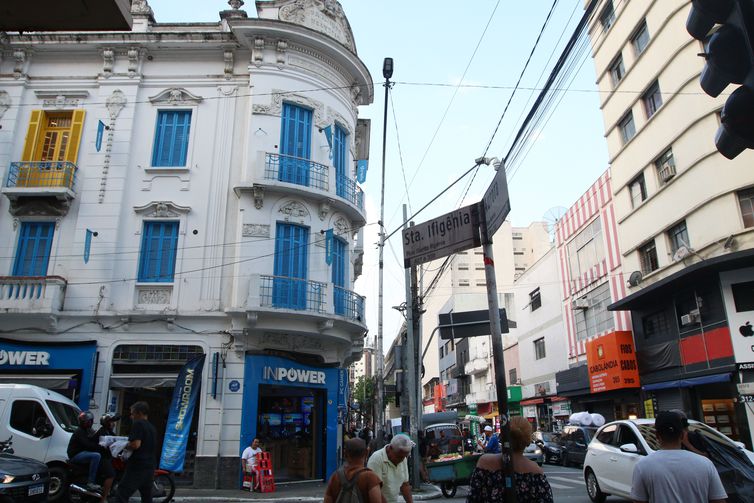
<point x="49" y="381"/>
<point x="492" y="415"/>
<point x="142" y="381"/>
<point x="688" y="383"/>
<point x="533" y="401"/>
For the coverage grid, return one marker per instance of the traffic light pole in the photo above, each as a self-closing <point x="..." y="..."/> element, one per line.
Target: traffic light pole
<point x="501" y="386"/>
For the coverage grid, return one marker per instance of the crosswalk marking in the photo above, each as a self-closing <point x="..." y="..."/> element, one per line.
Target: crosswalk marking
<point x="563" y="479"/>
<point x="559" y="486"/>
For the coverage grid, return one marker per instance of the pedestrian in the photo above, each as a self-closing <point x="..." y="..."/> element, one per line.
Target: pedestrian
<point x="423" y="453"/>
<point x="249" y="461"/>
<point x="140" y="465"/>
<point x="389" y="463"/>
<point x="674" y="475"/>
<point x="352" y="476"/>
<point x="490" y="442"/>
<point x="692" y="440"/>
<point x="487" y="481"/>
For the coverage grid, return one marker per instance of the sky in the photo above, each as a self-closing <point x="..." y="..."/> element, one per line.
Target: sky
<point x="455" y="67"/>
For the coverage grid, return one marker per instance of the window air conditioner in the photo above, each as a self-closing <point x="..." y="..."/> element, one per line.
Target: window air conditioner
<point x="582" y="303"/>
<point x="667" y="171"/>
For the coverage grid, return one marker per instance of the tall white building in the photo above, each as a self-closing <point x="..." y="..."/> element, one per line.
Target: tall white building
<point x="190" y="189"/>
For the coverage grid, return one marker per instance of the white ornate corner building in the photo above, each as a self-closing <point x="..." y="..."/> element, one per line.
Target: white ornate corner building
<point x="187" y="189"/>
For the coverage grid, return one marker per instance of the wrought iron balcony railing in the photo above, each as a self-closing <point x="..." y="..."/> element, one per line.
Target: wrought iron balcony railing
<point x="41" y="174"/>
<point x="349" y="304"/>
<point x="293" y="293"/>
<point x="348" y="190"/>
<point x="290" y="169"/>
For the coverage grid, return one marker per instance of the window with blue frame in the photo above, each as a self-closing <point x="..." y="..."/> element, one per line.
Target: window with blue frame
<point x="291" y="262"/>
<point x="340" y="156"/>
<point x="171" y="138"/>
<point x="340" y="276"/>
<point x="295" y="144"/>
<point x="33" y="252"/>
<point x="159" y="243"/>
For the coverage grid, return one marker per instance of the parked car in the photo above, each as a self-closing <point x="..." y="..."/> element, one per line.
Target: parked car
<point x="573" y="444"/>
<point x="534" y="453"/>
<point x="549" y="442"/>
<point x="22" y="480"/>
<point x="41" y="423"/>
<point x="618" y="446"/>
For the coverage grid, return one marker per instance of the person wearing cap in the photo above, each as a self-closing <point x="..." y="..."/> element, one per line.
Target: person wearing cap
<point x="691" y="440"/>
<point x="490" y="443"/>
<point x="390" y="465"/>
<point x="674" y="475"/>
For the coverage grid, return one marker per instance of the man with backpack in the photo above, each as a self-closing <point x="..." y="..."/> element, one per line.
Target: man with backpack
<point x="352" y="483"/>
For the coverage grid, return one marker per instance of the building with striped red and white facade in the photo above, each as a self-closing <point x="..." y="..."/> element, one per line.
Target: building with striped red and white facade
<point x="591" y="272"/>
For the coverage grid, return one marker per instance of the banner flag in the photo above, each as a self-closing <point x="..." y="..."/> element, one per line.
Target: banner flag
<point x="328" y="134"/>
<point x="361" y="170"/>
<point x="100" y="132"/>
<point x="87" y="245"/>
<point x="329" y="244"/>
<point x="185" y="396"/>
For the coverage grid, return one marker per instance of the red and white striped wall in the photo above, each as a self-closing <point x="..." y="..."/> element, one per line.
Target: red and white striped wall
<point x="597" y="202"/>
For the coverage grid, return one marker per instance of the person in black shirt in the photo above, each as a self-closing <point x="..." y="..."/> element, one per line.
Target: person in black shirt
<point x="84" y="449"/>
<point x="140" y="466"/>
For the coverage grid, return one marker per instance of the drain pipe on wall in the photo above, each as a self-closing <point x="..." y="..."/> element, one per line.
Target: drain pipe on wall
<point x="223" y="356"/>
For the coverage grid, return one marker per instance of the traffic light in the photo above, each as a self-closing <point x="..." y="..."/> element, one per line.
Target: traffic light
<point x="729" y="60"/>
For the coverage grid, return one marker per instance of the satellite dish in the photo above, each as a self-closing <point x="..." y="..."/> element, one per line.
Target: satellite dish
<point x="552" y="217"/>
<point x="635" y="278"/>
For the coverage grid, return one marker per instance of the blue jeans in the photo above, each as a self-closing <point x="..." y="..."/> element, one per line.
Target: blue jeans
<point x="91" y="458"/>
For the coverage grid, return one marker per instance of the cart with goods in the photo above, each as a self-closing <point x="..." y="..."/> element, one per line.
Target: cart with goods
<point x="452" y="470"/>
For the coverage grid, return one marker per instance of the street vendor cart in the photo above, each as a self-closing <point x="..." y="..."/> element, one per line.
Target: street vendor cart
<point x="451" y="473"/>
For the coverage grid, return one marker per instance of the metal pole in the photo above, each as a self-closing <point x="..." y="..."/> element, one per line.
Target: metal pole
<point x="410" y="372"/>
<point x="509" y="495"/>
<point x="387" y="72"/>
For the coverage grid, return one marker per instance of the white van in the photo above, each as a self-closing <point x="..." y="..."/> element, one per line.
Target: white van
<point x="41" y="423"/>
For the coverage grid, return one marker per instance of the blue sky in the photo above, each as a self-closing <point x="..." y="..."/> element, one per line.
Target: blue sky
<point x="432" y="43"/>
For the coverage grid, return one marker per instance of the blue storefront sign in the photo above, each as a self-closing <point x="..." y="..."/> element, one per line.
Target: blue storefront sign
<point x="329" y="385"/>
<point x="44" y="362"/>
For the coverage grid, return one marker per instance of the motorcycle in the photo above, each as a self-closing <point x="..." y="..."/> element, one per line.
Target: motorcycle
<point x="5" y="446"/>
<point x="163" y="485"/>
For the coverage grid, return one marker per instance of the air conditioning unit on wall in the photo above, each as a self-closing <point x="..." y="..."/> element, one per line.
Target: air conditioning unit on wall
<point x="582" y="303"/>
<point x="667" y="171"/>
<point x="691" y="317"/>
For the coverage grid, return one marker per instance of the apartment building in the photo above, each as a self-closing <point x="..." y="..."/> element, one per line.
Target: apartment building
<point x="684" y="213"/>
<point x="168" y="192"/>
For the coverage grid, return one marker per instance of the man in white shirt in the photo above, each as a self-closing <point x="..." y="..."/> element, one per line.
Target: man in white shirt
<point x="389" y="463"/>
<point x="672" y="475"/>
<point x="249" y="459"/>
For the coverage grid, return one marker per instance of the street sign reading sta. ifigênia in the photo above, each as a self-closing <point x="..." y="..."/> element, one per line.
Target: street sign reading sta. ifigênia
<point x="453" y="232"/>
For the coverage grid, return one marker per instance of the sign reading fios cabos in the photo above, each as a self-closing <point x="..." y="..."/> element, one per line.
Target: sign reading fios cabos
<point x="294" y="375"/>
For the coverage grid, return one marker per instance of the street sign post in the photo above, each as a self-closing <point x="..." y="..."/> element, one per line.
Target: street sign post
<point x="469" y="324"/>
<point x="453" y="232"/>
<point x="496" y="202"/>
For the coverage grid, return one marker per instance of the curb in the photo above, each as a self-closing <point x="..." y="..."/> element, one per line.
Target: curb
<point x="428" y="492"/>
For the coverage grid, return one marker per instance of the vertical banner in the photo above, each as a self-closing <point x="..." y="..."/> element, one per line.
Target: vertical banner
<point x="329" y="245"/>
<point x="182" y="407"/>
<point x="361" y="170"/>
<point x="87" y="245"/>
<point x="100" y="132"/>
<point x="328" y="135"/>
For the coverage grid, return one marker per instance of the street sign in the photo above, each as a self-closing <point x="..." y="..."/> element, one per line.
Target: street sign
<point x="496" y="202"/>
<point x="469" y="324"/>
<point x="453" y="232"/>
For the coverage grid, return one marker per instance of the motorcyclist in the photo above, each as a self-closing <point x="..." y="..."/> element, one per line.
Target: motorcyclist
<point x="84" y="449"/>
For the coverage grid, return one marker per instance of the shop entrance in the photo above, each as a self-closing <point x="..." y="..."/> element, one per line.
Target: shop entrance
<point x="291" y="428"/>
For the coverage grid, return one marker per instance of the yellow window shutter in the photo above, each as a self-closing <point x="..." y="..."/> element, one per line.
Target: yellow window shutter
<point x="77" y="125"/>
<point x="32" y="134"/>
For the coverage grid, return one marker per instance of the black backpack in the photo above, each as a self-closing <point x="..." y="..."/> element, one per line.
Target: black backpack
<point x="349" y="491"/>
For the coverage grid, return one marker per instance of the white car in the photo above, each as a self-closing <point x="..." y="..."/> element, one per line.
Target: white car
<point x="618" y="446"/>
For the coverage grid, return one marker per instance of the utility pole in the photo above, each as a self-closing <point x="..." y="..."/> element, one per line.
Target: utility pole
<point x="411" y="353"/>
<point x="387" y="72"/>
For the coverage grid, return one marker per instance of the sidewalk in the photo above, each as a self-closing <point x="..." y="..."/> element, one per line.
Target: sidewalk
<point x="286" y="492"/>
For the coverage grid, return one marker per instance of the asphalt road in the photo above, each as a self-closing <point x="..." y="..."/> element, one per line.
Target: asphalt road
<point x="567" y="487"/>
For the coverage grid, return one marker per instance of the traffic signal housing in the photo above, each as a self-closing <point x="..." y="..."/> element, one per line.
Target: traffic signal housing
<point x="729" y="60"/>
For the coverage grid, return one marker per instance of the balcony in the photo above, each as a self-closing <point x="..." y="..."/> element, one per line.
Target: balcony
<point x="349" y="304"/>
<point x="31" y="295"/>
<point x="46" y="186"/>
<point x="477" y="366"/>
<point x="485" y="396"/>
<point x="297" y="170"/>
<point x="348" y="190"/>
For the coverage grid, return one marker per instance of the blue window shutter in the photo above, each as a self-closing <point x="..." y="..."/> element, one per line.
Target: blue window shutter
<point x="290" y="268"/>
<point x="171" y="138"/>
<point x="339" y="275"/>
<point x="33" y="251"/>
<point x="159" y="244"/>
<point x="340" y="152"/>
<point x="295" y="141"/>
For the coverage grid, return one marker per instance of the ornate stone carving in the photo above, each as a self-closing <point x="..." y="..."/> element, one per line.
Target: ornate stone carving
<point x="255" y="231"/>
<point x="257" y="52"/>
<point x="115" y="103"/>
<point x="154" y="296"/>
<point x="324" y="16"/>
<point x="162" y="209"/>
<point x="228" y="59"/>
<point x="324" y="208"/>
<point x="342" y="228"/>
<point x="5" y="102"/>
<point x="276" y="105"/>
<point x="282" y="46"/>
<point x="294" y="210"/>
<point x="176" y="96"/>
<point x="19" y="61"/>
<point x="290" y="342"/>
<point x="257" y="193"/>
<point x="133" y="61"/>
<point x="235" y="4"/>
<point x="61" y="98"/>
<point x="108" y="61"/>
<point x="141" y="8"/>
